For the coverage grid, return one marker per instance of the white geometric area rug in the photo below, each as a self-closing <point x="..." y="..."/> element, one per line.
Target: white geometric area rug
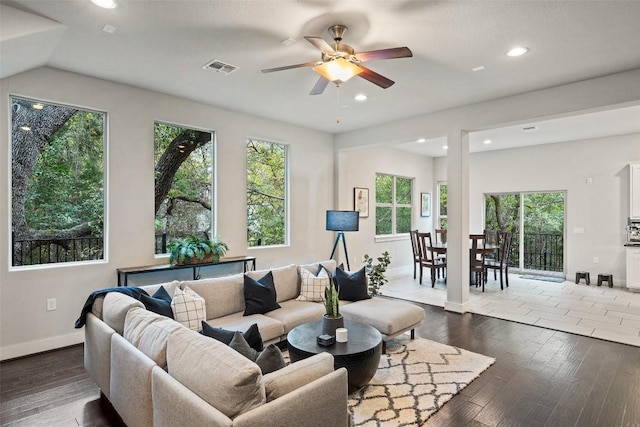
<point x="414" y="379"/>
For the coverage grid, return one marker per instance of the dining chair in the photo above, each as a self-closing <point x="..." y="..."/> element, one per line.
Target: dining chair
<point x="427" y="259"/>
<point x="502" y="263"/>
<point x="415" y="246"/>
<point x="492" y="238"/>
<point x="441" y="235"/>
<point x="476" y="258"/>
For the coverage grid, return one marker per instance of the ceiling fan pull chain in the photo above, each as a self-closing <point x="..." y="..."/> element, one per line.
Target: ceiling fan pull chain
<point x="338" y="104"/>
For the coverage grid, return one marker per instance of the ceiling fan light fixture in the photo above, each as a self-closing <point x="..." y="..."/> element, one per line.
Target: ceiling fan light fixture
<point x="106" y="4"/>
<point x="338" y="71"/>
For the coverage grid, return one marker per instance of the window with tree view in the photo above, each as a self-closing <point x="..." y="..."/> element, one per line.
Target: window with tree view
<point x="183" y="184"/>
<point x="266" y="193"/>
<point x="393" y="204"/>
<point x="57" y="183"/>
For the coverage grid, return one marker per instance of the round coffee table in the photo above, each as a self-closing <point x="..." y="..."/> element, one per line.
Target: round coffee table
<point x="360" y="354"/>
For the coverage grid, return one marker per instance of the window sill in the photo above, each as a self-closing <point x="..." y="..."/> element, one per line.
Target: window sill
<point x="391" y="238"/>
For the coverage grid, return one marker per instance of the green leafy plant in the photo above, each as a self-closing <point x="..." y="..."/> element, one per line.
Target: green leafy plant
<point x="195" y="250"/>
<point x="331" y="300"/>
<point x="375" y="272"/>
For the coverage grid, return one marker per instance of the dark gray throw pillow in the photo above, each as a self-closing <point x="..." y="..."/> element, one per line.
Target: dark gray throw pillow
<point x="240" y="345"/>
<point x="352" y="286"/>
<point x="270" y="359"/>
<point x="159" y="302"/>
<point x="259" y="295"/>
<point x="252" y="335"/>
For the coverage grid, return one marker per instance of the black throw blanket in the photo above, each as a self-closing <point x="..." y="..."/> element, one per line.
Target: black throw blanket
<point x="127" y="290"/>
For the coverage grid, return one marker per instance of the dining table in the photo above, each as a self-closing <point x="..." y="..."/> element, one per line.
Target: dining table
<point x="440" y="249"/>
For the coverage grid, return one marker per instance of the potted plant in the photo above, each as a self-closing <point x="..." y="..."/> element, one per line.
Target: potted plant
<point x="195" y="250"/>
<point x="332" y="319"/>
<point x="375" y="272"/>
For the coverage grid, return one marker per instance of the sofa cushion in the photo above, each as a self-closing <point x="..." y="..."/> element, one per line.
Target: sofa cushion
<point x="218" y="374"/>
<point x="329" y="265"/>
<point x="159" y="302"/>
<point x="259" y="295"/>
<point x="115" y="308"/>
<point x="222" y="295"/>
<point x="312" y="286"/>
<point x="149" y="332"/>
<point x="398" y="315"/>
<point x="252" y="335"/>
<point x="293" y="313"/>
<point x="353" y="285"/>
<point x="295" y="375"/>
<point x="188" y="308"/>
<point x="285" y="280"/>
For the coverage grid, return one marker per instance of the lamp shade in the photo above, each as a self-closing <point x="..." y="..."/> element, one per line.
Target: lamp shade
<point x="338" y="70"/>
<point x="342" y="220"/>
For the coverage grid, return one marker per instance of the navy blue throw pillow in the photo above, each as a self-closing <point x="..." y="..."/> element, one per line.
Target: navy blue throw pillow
<point x="259" y="295"/>
<point x="353" y="286"/>
<point x="159" y="302"/>
<point x="252" y="335"/>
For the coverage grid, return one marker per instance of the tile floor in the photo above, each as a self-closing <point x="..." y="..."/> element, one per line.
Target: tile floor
<point x="611" y="314"/>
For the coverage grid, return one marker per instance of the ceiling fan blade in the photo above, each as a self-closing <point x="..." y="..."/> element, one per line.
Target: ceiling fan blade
<point x="320" y="86"/>
<point x="375" y="78"/>
<point x="321" y="45"/>
<point x="288" y="67"/>
<point x="394" y="52"/>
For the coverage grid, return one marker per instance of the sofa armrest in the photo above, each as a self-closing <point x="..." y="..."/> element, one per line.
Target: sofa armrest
<point x="176" y="405"/>
<point x="322" y="402"/>
<point x="97" y="352"/>
<point x="295" y="375"/>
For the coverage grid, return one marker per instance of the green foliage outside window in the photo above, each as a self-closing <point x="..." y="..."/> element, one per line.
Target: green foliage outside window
<point x="393" y="204"/>
<point x="183" y="183"/>
<point x="266" y="193"/>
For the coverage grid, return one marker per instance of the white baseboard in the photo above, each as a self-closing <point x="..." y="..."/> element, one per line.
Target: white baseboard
<point x="32" y="347"/>
<point x="455" y="307"/>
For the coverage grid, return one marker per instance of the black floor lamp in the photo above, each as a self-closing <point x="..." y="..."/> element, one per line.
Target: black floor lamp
<point x="342" y="221"/>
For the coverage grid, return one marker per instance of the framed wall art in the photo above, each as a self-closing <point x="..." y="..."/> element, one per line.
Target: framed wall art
<point x="361" y="201"/>
<point x="425" y="204"/>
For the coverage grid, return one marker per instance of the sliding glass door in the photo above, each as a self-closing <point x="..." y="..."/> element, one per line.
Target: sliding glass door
<point x="537" y="223"/>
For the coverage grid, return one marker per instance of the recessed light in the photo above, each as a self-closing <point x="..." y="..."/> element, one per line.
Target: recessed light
<point x="360" y="97"/>
<point x="479" y="68"/>
<point x="37" y="106"/>
<point x="517" y="51"/>
<point x="25" y="128"/>
<point x="107" y="4"/>
<point x="109" y="29"/>
<point x="421" y="141"/>
<point x="445" y="147"/>
<point x="487" y="141"/>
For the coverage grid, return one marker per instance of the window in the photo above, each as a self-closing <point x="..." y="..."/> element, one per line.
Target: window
<point x="266" y="193"/>
<point x="183" y="184"/>
<point x="393" y="204"/>
<point x="442" y="205"/>
<point x="57" y="182"/>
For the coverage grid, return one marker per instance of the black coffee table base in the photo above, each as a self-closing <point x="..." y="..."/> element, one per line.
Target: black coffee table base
<point x="360" y="355"/>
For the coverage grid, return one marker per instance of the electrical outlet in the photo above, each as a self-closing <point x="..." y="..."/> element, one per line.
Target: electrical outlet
<point x="596" y="260"/>
<point x="51" y="304"/>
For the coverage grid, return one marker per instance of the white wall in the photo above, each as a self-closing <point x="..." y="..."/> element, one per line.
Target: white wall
<point x="26" y="326"/>
<point x="358" y="168"/>
<point x="600" y="208"/>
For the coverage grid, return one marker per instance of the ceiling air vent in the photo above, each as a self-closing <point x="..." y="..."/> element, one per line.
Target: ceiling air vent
<point x="529" y="128"/>
<point x="219" y="67"/>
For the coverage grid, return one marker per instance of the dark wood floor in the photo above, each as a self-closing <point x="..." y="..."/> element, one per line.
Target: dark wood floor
<point x="541" y="378"/>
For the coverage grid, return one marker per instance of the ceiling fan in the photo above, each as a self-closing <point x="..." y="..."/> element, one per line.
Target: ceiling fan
<point x="340" y="62"/>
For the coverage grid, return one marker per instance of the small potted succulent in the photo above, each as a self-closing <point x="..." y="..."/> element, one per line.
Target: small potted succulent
<point x="332" y="319"/>
<point x="195" y="250"/>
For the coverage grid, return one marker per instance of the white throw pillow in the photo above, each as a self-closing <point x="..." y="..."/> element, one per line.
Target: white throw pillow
<point x="188" y="308"/>
<point x="312" y="287"/>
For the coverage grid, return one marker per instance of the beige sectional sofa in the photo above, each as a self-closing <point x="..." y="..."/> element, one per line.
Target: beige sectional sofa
<point x="157" y="372"/>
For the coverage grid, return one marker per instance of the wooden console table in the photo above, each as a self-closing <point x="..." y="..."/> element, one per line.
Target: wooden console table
<point x="124" y="273"/>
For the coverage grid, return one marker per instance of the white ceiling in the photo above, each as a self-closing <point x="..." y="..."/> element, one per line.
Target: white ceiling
<point x="162" y="45"/>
